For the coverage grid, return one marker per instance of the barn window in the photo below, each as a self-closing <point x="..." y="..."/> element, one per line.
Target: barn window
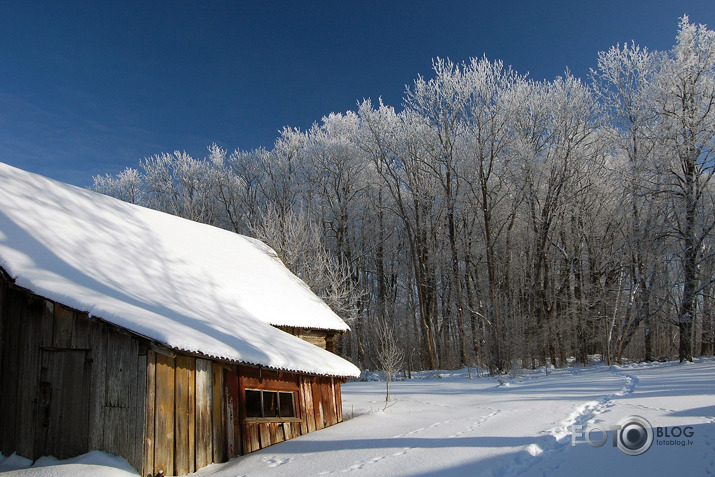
<point x="263" y="403"/>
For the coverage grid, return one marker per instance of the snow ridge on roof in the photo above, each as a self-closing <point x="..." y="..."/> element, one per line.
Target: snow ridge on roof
<point x="190" y="286"/>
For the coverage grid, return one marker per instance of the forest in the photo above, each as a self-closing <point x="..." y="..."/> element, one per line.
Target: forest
<point x="491" y="220"/>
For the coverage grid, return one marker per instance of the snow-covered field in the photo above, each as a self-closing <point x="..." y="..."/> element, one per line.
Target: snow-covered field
<point x="447" y="424"/>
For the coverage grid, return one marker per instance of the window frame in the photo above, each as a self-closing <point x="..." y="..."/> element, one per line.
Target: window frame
<point x="262" y="402"/>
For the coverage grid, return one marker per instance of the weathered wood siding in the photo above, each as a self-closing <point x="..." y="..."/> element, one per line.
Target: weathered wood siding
<point x="325" y="339"/>
<point x="263" y="432"/>
<point x="185" y="422"/>
<point x="315" y="403"/>
<point x="68" y="384"/>
<point x="199" y="413"/>
<point x="204" y="408"/>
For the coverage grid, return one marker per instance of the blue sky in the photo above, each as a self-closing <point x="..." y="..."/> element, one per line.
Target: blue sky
<point x="93" y="87"/>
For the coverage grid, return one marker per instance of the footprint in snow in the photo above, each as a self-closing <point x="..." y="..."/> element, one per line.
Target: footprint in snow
<point x="534" y="450"/>
<point x="274" y="461"/>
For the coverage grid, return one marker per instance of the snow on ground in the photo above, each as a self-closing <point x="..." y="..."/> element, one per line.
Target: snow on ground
<point x="94" y="463"/>
<point x="448" y="424"/>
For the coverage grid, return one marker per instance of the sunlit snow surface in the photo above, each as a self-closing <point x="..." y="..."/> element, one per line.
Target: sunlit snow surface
<point x="187" y="285"/>
<point x="454" y="425"/>
<point x="447" y="424"/>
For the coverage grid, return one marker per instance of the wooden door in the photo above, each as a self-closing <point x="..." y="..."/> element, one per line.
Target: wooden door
<point x="63" y="404"/>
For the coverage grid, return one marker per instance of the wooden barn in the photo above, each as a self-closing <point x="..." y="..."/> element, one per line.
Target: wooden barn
<point x="170" y="343"/>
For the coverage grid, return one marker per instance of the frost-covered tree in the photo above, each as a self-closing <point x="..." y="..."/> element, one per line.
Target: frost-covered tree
<point x="625" y="84"/>
<point x="441" y="101"/>
<point x="389" y="353"/>
<point x="299" y="244"/>
<point x="335" y="172"/>
<point x="229" y="187"/>
<point x="686" y="98"/>
<point x="494" y="218"/>
<point x="181" y="185"/>
<point x="491" y="106"/>
<point x="126" y="186"/>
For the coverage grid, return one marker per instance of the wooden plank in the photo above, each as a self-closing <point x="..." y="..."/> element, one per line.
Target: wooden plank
<point x="328" y="404"/>
<point x="66" y="406"/>
<point x="287" y="430"/>
<point x="333" y="401"/>
<point x="265" y="435"/>
<point x="301" y="407"/>
<point x="318" y="404"/>
<point x="204" y="407"/>
<point x="258" y="378"/>
<point x="120" y="422"/>
<point x="315" y="341"/>
<point x="324" y="399"/>
<point x="253" y="439"/>
<point x="48" y="324"/>
<point x="295" y="429"/>
<point x="3" y="304"/>
<point x="231" y="413"/>
<point x="319" y="397"/>
<point x="10" y="368"/>
<point x="63" y="324"/>
<point x="140" y="408"/>
<point x="192" y="415"/>
<point x="28" y="377"/>
<point x="217" y="415"/>
<point x="115" y="429"/>
<point x="278" y="432"/>
<point x="331" y="342"/>
<point x="44" y="400"/>
<point x="273" y="432"/>
<point x="52" y="406"/>
<point x="312" y="333"/>
<point x="339" y="400"/>
<point x="309" y="404"/>
<point x="134" y="424"/>
<point x="325" y="394"/>
<point x="239" y="412"/>
<point x="119" y="371"/>
<point x="74" y="430"/>
<point x="149" y="415"/>
<point x="164" y="409"/>
<point x="98" y="388"/>
<point x="182" y="438"/>
<point x="80" y="336"/>
<point x="329" y="400"/>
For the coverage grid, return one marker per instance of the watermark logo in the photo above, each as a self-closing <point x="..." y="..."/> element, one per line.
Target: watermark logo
<point x="633" y="435"/>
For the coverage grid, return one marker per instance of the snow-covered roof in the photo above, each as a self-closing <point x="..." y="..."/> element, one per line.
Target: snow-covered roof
<point x="189" y="286"/>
